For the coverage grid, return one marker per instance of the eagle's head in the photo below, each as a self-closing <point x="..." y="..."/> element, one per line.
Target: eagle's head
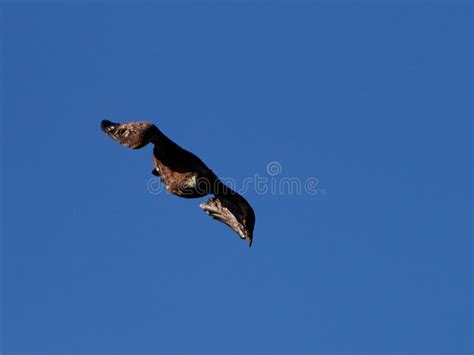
<point x="133" y="135"/>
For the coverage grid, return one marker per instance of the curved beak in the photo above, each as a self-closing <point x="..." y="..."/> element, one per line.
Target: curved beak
<point x="250" y="239"/>
<point x="108" y="126"/>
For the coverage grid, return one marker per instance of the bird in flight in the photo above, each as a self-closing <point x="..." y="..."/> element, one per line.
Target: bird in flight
<point x="185" y="175"/>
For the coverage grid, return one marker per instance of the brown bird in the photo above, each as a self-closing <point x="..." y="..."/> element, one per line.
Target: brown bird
<point x="185" y="175"/>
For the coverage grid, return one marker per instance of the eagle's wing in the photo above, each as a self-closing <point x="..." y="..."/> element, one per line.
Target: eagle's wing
<point x="233" y="210"/>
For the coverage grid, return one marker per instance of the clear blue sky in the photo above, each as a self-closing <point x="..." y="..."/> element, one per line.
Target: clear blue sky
<point x="373" y="100"/>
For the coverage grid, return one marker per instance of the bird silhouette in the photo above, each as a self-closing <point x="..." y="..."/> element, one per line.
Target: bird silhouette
<point x="185" y="175"/>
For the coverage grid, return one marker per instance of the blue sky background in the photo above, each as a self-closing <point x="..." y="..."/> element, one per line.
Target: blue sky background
<point x="373" y="100"/>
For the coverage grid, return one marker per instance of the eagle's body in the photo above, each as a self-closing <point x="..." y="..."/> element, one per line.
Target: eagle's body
<point x="180" y="170"/>
<point x="185" y="175"/>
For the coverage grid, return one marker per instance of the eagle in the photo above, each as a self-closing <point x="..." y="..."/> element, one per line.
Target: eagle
<point x="185" y="175"/>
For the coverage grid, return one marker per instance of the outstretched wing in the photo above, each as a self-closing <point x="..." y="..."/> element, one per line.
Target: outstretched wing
<point x="233" y="210"/>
